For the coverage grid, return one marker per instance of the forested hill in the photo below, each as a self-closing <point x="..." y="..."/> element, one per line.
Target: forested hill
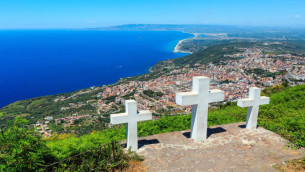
<point x="216" y="53"/>
<point x="213" y="54"/>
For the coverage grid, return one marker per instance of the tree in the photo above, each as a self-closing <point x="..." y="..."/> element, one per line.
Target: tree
<point x="285" y="83"/>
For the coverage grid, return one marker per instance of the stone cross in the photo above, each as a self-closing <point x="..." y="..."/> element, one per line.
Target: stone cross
<point x="131" y="118"/>
<point x="199" y="98"/>
<point x="253" y="103"/>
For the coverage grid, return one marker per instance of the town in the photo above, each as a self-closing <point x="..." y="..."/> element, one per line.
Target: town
<point x="250" y="67"/>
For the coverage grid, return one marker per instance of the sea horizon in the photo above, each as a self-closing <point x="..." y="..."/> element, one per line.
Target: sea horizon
<point x="40" y="62"/>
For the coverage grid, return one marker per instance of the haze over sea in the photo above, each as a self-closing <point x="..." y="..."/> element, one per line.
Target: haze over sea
<point x="45" y="62"/>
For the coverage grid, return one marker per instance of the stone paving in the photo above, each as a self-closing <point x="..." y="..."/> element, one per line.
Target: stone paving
<point x="229" y="147"/>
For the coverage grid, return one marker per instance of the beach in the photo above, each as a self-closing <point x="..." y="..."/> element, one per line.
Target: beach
<point x="177" y="48"/>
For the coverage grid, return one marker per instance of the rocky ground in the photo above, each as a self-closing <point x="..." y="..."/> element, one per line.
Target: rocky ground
<point x="229" y="147"/>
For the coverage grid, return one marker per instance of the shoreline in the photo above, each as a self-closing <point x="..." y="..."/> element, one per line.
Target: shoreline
<point x="177" y="48"/>
<point x="147" y="71"/>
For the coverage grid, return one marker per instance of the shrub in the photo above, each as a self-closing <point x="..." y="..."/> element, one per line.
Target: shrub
<point x="22" y="149"/>
<point x="108" y="157"/>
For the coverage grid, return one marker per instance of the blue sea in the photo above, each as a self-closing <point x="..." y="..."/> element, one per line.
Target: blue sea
<point x="45" y="62"/>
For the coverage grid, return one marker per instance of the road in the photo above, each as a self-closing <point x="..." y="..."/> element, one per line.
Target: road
<point x="287" y="76"/>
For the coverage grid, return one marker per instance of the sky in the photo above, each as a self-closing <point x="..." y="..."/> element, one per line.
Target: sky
<point x="20" y="14"/>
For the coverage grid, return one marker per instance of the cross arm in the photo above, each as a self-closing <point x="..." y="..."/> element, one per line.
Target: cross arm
<point x="247" y="102"/>
<point x="118" y="118"/>
<point x="264" y="100"/>
<point x="187" y="98"/>
<point x="144" y="115"/>
<point x="216" y="95"/>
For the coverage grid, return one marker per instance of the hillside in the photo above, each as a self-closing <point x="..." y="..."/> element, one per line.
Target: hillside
<point x="284" y="115"/>
<point x="215" y="54"/>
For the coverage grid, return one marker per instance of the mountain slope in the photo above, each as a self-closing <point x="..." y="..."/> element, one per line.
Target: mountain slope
<point x="284" y="115"/>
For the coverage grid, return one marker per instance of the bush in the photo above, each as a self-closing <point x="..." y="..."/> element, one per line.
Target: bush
<point x="108" y="157"/>
<point x="22" y="149"/>
<point x="285" y="115"/>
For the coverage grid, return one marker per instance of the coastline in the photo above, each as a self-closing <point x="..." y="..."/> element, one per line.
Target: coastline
<point x="169" y="50"/>
<point x="177" y="48"/>
<point x="199" y="36"/>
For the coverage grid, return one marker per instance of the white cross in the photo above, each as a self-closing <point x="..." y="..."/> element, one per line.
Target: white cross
<point x="253" y="103"/>
<point x="131" y="118"/>
<point x="199" y="98"/>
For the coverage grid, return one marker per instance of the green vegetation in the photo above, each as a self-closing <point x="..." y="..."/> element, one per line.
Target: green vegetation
<point x="210" y="51"/>
<point x="108" y="157"/>
<point x="73" y="145"/>
<point x="40" y="107"/>
<point x="22" y="149"/>
<point x="275" y="89"/>
<point x="284" y="115"/>
<point x="194" y="45"/>
<point x="144" y="77"/>
<point x="151" y="93"/>
<point x="80" y="126"/>
<point x="264" y="73"/>
<point x="214" y="54"/>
